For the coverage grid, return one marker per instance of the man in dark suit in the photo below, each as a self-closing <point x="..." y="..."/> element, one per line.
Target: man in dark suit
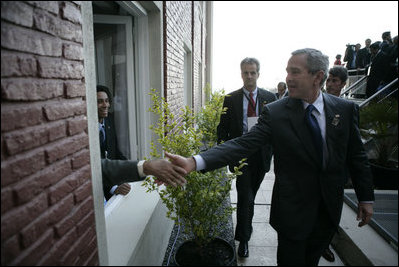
<point x="243" y="107"/>
<point x="315" y="139"/>
<point x="108" y="140"/>
<point x="363" y="57"/>
<point x="379" y="70"/>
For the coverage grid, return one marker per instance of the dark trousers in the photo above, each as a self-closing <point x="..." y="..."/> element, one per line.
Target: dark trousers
<point x="306" y="252"/>
<point x="247" y="186"/>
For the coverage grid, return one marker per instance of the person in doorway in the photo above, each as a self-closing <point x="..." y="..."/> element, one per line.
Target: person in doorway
<point x="108" y="140"/>
<point x="315" y="139"/>
<point x="243" y="108"/>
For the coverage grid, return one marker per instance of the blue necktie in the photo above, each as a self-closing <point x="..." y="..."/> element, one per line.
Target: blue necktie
<point x="315" y="129"/>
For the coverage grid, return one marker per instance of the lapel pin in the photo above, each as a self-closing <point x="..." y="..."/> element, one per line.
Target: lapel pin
<point x="335" y="121"/>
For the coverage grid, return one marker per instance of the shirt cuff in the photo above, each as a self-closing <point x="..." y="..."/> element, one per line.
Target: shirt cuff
<point x="140" y="168"/>
<point x="200" y="163"/>
<point x="113" y="189"/>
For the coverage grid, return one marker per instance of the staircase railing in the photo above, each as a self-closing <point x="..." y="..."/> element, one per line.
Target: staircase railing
<point x="350" y="88"/>
<point x="381" y="93"/>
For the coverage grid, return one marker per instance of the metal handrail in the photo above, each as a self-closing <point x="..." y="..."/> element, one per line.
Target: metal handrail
<point x="365" y="102"/>
<point x="355" y="70"/>
<point x="353" y="86"/>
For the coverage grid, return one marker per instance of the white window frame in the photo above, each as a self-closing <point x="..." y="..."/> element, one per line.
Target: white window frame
<point x="130" y="75"/>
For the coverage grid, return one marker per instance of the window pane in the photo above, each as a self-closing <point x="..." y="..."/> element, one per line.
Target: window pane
<point x="110" y="44"/>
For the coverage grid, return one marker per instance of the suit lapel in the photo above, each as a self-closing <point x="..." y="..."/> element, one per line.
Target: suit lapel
<point x="238" y="107"/>
<point x="297" y="119"/>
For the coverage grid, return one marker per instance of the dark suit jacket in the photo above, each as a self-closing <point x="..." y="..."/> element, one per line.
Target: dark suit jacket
<point x="111" y="146"/>
<point x="231" y="126"/>
<point x="111" y="141"/>
<point x="119" y="172"/>
<point x="363" y="58"/>
<point x="301" y="184"/>
<point x="379" y="73"/>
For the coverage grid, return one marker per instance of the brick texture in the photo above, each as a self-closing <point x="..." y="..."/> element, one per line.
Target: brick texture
<point x="185" y="25"/>
<point x="47" y="213"/>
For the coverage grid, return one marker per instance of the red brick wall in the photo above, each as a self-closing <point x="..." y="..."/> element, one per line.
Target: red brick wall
<point x="47" y="213"/>
<point x="185" y="21"/>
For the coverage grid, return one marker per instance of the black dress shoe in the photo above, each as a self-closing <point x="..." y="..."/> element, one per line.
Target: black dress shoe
<point x="328" y="255"/>
<point x="243" y="250"/>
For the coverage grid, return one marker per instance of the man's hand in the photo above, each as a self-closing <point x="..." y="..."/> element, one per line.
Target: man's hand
<point x="188" y="164"/>
<point x="123" y="189"/>
<point x="364" y="213"/>
<point x="165" y="171"/>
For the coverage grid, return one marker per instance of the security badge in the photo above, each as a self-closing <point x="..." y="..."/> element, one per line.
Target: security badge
<point x="335" y="121"/>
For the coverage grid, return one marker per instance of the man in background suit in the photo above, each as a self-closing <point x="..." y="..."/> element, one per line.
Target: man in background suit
<point x="315" y="139"/>
<point x="244" y="105"/>
<point x="363" y="58"/>
<point x="108" y="140"/>
<point x="281" y="90"/>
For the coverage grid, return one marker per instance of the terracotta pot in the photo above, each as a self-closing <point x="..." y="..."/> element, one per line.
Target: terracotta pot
<point x="217" y="253"/>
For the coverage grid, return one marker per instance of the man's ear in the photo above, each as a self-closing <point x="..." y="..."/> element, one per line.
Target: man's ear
<point x="319" y="77"/>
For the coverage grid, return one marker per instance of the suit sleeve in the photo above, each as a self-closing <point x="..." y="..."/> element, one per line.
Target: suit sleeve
<point x="119" y="171"/>
<point x="359" y="167"/>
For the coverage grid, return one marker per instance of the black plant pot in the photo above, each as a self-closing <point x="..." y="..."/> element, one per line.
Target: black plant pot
<point x="217" y="253"/>
<point x="384" y="178"/>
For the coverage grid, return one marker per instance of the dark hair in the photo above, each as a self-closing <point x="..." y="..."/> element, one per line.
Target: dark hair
<point x="385" y="35"/>
<point x="340" y="72"/>
<point x="102" y="88"/>
<point x="375" y="45"/>
<point x="283" y="83"/>
<point x="251" y="60"/>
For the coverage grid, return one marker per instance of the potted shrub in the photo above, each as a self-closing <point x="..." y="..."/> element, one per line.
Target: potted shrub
<point x="379" y="124"/>
<point x="199" y="204"/>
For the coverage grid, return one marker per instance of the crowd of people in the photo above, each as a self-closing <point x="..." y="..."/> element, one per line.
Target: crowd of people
<point x="378" y="60"/>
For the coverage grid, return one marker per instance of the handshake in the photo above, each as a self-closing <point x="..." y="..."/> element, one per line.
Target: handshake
<point x="169" y="171"/>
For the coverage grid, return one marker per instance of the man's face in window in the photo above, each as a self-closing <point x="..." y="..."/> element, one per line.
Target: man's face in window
<point x="102" y="105"/>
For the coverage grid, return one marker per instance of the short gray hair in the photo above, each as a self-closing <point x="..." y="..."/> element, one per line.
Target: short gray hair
<point x="251" y="60"/>
<point x="315" y="61"/>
